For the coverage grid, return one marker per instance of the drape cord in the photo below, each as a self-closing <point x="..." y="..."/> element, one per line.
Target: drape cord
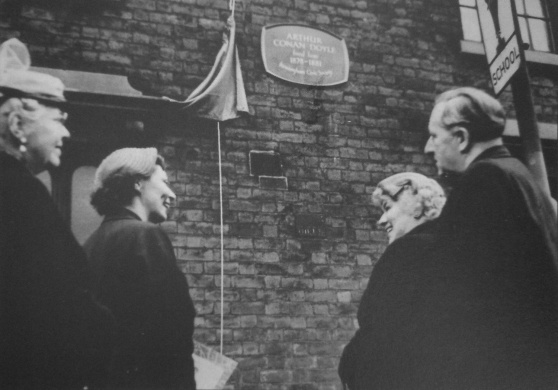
<point x="222" y="245"/>
<point x="232" y="4"/>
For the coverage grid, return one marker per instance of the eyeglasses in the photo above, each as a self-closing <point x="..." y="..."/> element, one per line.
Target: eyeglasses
<point x="395" y="196"/>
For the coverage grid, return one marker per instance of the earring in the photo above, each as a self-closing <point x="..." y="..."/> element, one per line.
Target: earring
<point x="23" y="142"/>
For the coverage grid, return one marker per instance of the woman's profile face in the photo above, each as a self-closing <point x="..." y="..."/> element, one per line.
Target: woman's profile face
<point x="156" y="195"/>
<point x="399" y="214"/>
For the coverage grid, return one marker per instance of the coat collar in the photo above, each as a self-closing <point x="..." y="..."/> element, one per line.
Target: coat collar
<point x="450" y="180"/>
<point x="10" y="162"/>
<point x="425" y="227"/>
<point x="499" y="151"/>
<point x="122" y="213"/>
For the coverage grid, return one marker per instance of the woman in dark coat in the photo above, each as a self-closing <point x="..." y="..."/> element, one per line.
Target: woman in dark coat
<point x="53" y="335"/>
<point x="136" y="274"/>
<point x="386" y="351"/>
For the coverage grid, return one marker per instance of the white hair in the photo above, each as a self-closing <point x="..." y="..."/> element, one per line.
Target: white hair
<point x="28" y="109"/>
<point x="430" y="195"/>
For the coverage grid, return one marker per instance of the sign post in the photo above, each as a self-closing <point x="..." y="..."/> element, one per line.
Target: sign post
<point x="506" y="61"/>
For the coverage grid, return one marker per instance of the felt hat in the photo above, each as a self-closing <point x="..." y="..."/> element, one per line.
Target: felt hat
<point x="126" y="162"/>
<point x="16" y="80"/>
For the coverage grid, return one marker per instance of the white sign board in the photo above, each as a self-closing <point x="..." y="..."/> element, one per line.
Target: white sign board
<point x="213" y="370"/>
<point x="501" y="43"/>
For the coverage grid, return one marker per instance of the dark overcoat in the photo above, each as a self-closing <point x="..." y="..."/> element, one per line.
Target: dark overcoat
<point x="137" y="277"/>
<point x="53" y="334"/>
<point x="474" y="306"/>
<point x="494" y="307"/>
<point x="385" y="351"/>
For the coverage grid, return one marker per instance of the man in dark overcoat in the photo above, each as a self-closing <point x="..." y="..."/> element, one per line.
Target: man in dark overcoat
<point x="136" y="274"/>
<point x="494" y="303"/>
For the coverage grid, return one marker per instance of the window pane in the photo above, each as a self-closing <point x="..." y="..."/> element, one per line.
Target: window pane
<point x="470" y="23"/>
<point x="539" y="33"/>
<point x="534" y="8"/>
<point x="524" y="31"/>
<point x="533" y="24"/>
<point x="519" y="6"/>
<point x="84" y="217"/>
<point x="44" y="177"/>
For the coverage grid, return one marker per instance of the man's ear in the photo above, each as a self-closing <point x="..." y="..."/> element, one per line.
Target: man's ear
<point x="15" y="124"/>
<point x="462" y="134"/>
<point x="138" y="185"/>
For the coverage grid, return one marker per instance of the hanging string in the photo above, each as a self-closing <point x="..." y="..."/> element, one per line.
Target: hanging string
<point x="222" y="246"/>
<point x="232" y="4"/>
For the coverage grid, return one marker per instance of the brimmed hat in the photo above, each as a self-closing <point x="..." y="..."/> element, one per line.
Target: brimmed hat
<point x="126" y="162"/>
<point x="16" y="80"/>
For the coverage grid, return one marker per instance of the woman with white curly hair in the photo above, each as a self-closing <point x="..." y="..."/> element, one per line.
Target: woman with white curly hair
<point x="408" y="200"/>
<point x="387" y="351"/>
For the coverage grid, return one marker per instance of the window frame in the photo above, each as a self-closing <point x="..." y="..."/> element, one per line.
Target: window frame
<point x="546" y="19"/>
<point x="533" y="56"/>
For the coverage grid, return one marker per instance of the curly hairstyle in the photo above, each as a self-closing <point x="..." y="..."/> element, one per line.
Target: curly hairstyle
<point x="430" y="195"/>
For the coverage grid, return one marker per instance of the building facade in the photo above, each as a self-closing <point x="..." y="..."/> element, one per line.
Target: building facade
<point x="299" y="230"/>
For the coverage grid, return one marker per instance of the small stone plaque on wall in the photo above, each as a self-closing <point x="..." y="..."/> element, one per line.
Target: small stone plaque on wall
<point x="308" y="225"/>
<point x="304" y="55"/>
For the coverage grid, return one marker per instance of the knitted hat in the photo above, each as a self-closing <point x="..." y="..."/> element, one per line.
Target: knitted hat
<point x="16" y="80"/>
<point x="126" y="162"/>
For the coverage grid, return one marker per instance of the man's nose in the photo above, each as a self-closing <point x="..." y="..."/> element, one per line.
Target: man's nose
<point x="428" y="147"/>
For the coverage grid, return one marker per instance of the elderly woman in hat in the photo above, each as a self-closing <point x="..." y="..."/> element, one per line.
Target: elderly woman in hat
<point x="53" y="335"/>
<point x="386" y="351"/>
<point x="136" y="274"/>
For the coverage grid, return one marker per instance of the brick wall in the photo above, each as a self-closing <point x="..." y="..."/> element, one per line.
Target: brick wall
<point x="289" y="302"/>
